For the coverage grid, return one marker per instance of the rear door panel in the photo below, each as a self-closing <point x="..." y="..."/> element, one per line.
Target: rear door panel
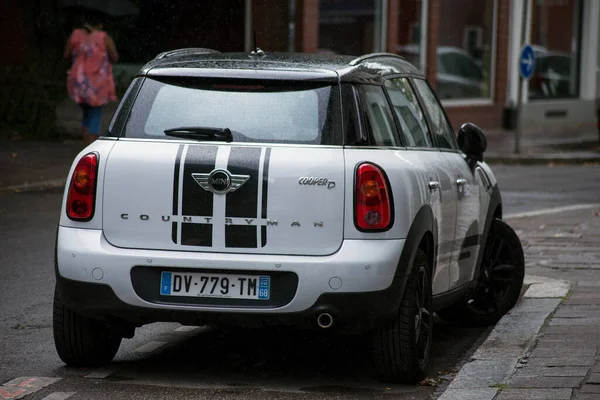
<point x="467" y="237"/>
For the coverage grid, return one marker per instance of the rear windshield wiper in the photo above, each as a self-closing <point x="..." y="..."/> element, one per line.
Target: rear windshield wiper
<point x="201" y="132"/>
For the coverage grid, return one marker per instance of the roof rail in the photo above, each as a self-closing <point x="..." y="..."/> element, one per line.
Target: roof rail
<point x="185" y="51"/>
<point x="362" y="58"/>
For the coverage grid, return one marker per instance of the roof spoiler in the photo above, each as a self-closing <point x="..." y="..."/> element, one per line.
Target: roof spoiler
<point x="192" y="51"/>
<point x="362" y="58"/>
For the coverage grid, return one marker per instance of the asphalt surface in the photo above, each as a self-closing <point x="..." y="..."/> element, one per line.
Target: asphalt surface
<point x="163" y="362"/>
<point x="528" y="188"/>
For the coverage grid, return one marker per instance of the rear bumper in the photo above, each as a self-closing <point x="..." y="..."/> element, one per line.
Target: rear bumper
<point x="95" y="278"/>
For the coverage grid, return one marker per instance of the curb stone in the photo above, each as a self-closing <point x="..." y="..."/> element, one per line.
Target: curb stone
<point x="508" y="345"/>
<point x="35" y="186"/>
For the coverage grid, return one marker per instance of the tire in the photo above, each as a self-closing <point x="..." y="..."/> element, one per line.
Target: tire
<point x="81" y="341"/>
<point x="402" y="347"/>
<point x="499" y="284"/>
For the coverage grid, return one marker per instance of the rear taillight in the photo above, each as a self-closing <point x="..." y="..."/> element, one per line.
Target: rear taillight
<point x="82" y="189"/>
<point x="373" y="200"/>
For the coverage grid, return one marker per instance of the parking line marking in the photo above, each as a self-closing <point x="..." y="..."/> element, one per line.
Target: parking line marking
<point x="59" y="396"/>
<point x="149" y="347"/>
<point x="103" y="372"/>
<point x="552" y="210"/>
<point x="186" y="328"/>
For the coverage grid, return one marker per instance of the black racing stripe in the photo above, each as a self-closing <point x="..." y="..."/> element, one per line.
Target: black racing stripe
<point x="195" y="200"/>
<point x="196" y="234"/>
<point x="243" y="202"/>
<point x="263" y="235"/>
<point x="472" y="240"/>
<point x="465" y="255"/>
<point x="174" y="232"/>
<point x="265" y="193"/>
<point x="265" y="187"/>
<point x="176" y="180"/>
<point x="241" y="236"/>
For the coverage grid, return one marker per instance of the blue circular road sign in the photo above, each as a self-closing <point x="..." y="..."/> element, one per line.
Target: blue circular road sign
<point x="526" y="61"/>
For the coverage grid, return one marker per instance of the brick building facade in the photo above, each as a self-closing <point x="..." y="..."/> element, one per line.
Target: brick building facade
<point x="467" y="48"/>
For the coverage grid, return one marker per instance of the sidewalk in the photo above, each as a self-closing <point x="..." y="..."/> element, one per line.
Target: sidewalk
<point x="27" y="164"/>
<point x="543" y="146"/>
<point x="564" y="363"/>
<point x="30" y="165"/>
<point x="547" y="346"/>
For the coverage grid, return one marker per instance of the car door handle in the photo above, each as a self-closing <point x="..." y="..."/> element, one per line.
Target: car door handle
<point x="433" y="185"/>
<point x="461" y="182"/>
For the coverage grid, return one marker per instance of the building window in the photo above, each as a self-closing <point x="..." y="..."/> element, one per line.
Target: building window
<point x="352" y="27"/>
<point x="410" y="19"/>
<point x="556" y="39"/>
<point x="465" y="53"/>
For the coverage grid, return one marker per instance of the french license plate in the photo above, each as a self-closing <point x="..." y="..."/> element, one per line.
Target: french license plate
<point x="228" y="286"/>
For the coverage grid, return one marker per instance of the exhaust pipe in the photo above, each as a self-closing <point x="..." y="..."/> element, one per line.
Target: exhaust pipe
<point x="325" y="320"/>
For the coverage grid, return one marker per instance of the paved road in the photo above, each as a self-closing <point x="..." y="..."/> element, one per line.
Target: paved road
<point x="528" y="188"/>
<point x="164" y="361"/>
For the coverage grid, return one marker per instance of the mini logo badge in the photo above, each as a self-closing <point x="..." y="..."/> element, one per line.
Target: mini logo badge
<point x="220" y="181"/>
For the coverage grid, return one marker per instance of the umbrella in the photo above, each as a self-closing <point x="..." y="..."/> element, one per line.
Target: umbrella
<point x="115" y="8"/>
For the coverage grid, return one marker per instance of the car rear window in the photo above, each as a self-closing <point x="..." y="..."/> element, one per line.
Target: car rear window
<point x="255" y="111"/>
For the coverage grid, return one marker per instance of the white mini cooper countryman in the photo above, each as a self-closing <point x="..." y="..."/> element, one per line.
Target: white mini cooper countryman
<point x="310" y="191"/>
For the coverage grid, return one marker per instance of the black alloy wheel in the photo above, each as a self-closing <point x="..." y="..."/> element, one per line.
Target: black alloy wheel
<point x="424" y="316"/>
<point x="499" y="283"/>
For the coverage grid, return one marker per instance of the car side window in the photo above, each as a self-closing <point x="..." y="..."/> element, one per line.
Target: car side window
<point x="406" y="107"/>
<point x="439" y="124"/>
<point x="379" y="121"/>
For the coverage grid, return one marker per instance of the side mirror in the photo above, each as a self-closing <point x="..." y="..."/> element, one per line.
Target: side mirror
<point x="472" y="141"/>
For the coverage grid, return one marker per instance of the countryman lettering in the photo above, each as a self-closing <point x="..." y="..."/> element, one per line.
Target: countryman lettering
<point x="227" y="221"/>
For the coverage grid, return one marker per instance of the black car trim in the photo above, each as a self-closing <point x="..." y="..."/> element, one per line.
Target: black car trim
<point x="176" y="180"/>
<point x="121" y="116"/>
<point x="194" y="199"/>
<point x="494" y="211"/>
<point x="265" y="194"/>
<point x="421" y="225"/>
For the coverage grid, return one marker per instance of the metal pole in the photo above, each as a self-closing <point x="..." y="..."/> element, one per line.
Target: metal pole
<point x="517" y="149"/>
<point x="519" y="116"/>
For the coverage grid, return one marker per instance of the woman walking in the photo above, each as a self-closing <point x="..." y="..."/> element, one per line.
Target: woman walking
<point x="90" y="82"/>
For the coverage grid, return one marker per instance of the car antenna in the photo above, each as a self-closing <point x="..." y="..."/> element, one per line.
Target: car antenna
<point x="257" y="52"/>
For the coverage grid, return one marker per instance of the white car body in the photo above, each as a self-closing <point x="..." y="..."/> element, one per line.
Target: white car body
<point x="363" y="261"/>
<point x="319" y="232"/>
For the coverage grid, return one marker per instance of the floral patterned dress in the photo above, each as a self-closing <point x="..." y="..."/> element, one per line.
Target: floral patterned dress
<point x="90" y="78"/>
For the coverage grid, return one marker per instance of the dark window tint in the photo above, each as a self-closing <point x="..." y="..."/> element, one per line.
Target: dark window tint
<point x="379" y="121"/>
<point x="439" y="124"/>
<point x="255" y="111"/>
<point x="352" y="132"/>
<point x="120" y="117"/>
<point x="409" y="113"/>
